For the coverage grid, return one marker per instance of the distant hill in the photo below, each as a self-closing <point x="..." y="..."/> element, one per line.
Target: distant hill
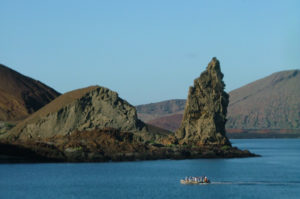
<point x="148" y="112"/>
<point x="269" y="103"/>
<point x="20" y="95"/>
<point x="170" y="122"/>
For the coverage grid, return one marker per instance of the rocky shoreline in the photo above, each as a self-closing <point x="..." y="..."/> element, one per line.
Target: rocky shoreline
<point x="48" y="154"/>
<point x="109" y="145"/>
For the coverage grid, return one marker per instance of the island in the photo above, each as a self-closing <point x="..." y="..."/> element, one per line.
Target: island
<point x="94" y="124"/>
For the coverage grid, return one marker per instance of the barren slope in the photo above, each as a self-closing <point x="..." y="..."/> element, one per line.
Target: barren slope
<point x="269" y="103"/>
<point x="148" y="112"/>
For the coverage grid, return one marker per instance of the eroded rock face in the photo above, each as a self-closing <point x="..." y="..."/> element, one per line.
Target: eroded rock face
<point x="80" y="110"/>
<point x="206" y="108"/>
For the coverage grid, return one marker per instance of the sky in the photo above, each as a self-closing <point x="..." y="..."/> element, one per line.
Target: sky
<point x="148" y="51"/>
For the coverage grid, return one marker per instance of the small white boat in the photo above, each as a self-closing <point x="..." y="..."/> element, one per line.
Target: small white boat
<point x="195" y="180"/>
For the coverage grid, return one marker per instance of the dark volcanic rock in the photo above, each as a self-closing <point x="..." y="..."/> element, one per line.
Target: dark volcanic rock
<point x="106" y="145"/>
<point x="205" y="112"/>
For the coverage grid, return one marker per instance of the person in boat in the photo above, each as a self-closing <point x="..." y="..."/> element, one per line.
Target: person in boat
<point x="205" y="179"/>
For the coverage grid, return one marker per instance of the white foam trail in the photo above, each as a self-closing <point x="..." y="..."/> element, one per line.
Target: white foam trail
<point x="256" y="183"/>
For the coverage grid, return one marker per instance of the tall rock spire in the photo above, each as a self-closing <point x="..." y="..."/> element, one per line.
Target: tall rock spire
<point x="205" y="112"/>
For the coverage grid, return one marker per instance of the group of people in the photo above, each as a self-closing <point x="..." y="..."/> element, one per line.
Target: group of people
<point x="201" y="179"/>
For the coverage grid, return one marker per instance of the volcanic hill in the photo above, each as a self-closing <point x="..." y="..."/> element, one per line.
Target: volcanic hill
<point x="269" y="103"/>
<point x="20" y="96"/>
<point x="89" y="124"/>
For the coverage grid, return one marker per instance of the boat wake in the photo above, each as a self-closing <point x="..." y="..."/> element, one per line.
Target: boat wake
<point x="256" y="183"/>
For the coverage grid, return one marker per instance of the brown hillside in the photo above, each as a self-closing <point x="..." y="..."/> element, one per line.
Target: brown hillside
<point x="170" y="122"/>
<point x="21" y="95"/>
<point x="148" y="112"/>
<point x="269" y="103"/>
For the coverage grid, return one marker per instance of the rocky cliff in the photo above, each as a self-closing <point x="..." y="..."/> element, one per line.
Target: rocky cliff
<point x="20" y="95"/>
<point x="205" y="111"/>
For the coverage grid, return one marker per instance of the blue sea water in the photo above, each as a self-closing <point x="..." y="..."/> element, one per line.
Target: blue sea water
<point x="274" y="175"/>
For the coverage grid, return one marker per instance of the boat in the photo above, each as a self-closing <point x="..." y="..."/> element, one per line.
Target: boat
<point x="195" y="180"/>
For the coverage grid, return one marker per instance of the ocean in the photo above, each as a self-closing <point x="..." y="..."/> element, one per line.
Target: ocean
<point x="274" y="175"/>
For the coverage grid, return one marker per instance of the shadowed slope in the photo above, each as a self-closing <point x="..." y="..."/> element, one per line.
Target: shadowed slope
<point x="21" y="95"/>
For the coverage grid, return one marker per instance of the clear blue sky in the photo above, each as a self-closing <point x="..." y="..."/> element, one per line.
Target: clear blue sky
<point x="148" y="51"/>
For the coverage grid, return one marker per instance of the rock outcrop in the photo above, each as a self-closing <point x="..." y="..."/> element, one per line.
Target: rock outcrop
<point x="20" y="96"/>
<point x="205" y="112"/>
<point x="89" y="124"/>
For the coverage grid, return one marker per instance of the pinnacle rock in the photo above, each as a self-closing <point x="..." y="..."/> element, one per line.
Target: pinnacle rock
<point x="205" y="111"/>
